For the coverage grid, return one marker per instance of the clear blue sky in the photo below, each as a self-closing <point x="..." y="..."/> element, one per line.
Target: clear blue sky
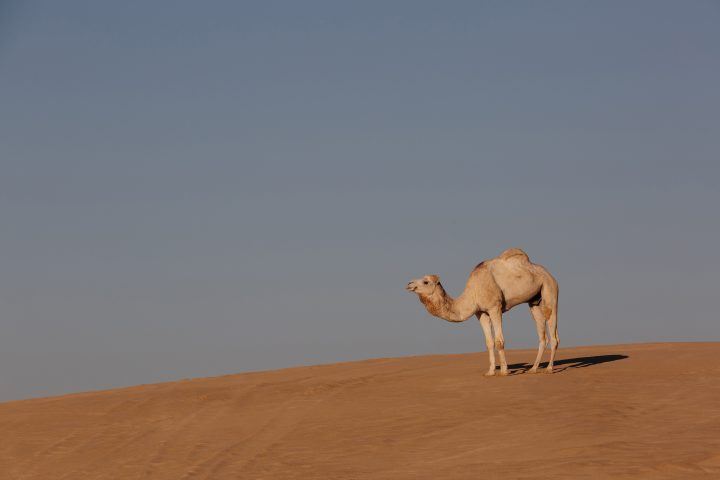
<point x="197" y="188"/>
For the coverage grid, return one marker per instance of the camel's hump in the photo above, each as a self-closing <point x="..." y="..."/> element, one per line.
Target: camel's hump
<point x="514" y="252"/>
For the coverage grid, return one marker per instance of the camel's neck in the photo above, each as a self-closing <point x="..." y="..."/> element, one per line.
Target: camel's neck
<point x="442" y="305"/>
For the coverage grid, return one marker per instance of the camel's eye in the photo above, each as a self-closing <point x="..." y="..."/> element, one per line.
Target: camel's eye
<point x="425" y="282"/>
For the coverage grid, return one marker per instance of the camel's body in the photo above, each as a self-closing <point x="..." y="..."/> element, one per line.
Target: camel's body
<point x="494" y="287"/>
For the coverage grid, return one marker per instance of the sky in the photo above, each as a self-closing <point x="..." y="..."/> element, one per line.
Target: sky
<point x="191" y="189"/>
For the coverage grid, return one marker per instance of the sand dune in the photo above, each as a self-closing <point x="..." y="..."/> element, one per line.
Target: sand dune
<point x="625" y="411"/>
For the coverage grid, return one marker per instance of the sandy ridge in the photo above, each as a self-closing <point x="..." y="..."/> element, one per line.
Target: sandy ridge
<point x="626" y="411"/>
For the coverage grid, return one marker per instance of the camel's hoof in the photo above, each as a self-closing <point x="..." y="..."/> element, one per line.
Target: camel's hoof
<point x="503" y="373"/>
<point x="532" y="370"/>
<point x="549" y="371"/>
<point x="490" y="373"/>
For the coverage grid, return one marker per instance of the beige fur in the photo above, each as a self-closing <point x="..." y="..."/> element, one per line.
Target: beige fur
<point x="494" y="287"/>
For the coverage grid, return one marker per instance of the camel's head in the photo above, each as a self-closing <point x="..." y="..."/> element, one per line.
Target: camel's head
<point x="423" y="286"/>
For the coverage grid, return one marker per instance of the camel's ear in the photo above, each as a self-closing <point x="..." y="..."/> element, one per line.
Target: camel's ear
<point x="434" y="278"/>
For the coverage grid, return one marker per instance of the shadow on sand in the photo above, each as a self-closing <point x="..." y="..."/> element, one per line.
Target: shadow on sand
<point x="565" y="363"/>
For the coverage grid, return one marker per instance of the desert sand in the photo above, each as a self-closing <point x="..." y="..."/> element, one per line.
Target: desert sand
<point x="623" y="411"/>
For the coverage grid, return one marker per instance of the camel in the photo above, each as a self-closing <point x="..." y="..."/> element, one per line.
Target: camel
<point x="495" y="286"/>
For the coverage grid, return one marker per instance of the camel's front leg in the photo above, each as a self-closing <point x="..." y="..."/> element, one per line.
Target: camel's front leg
<point x="496" y="319"/>
<point x="485" y="323"/>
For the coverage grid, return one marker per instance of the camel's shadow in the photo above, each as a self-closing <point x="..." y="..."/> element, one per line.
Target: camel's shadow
<point x="578" y="362"/>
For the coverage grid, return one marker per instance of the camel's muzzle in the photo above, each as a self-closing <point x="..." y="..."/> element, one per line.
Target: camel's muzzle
<point x="410" y="287"/>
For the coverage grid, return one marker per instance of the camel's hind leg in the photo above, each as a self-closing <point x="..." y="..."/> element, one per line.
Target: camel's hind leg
<point x="540" y="319"/>
<point x="554" y="339"/>
<point x="549" y="306"/>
